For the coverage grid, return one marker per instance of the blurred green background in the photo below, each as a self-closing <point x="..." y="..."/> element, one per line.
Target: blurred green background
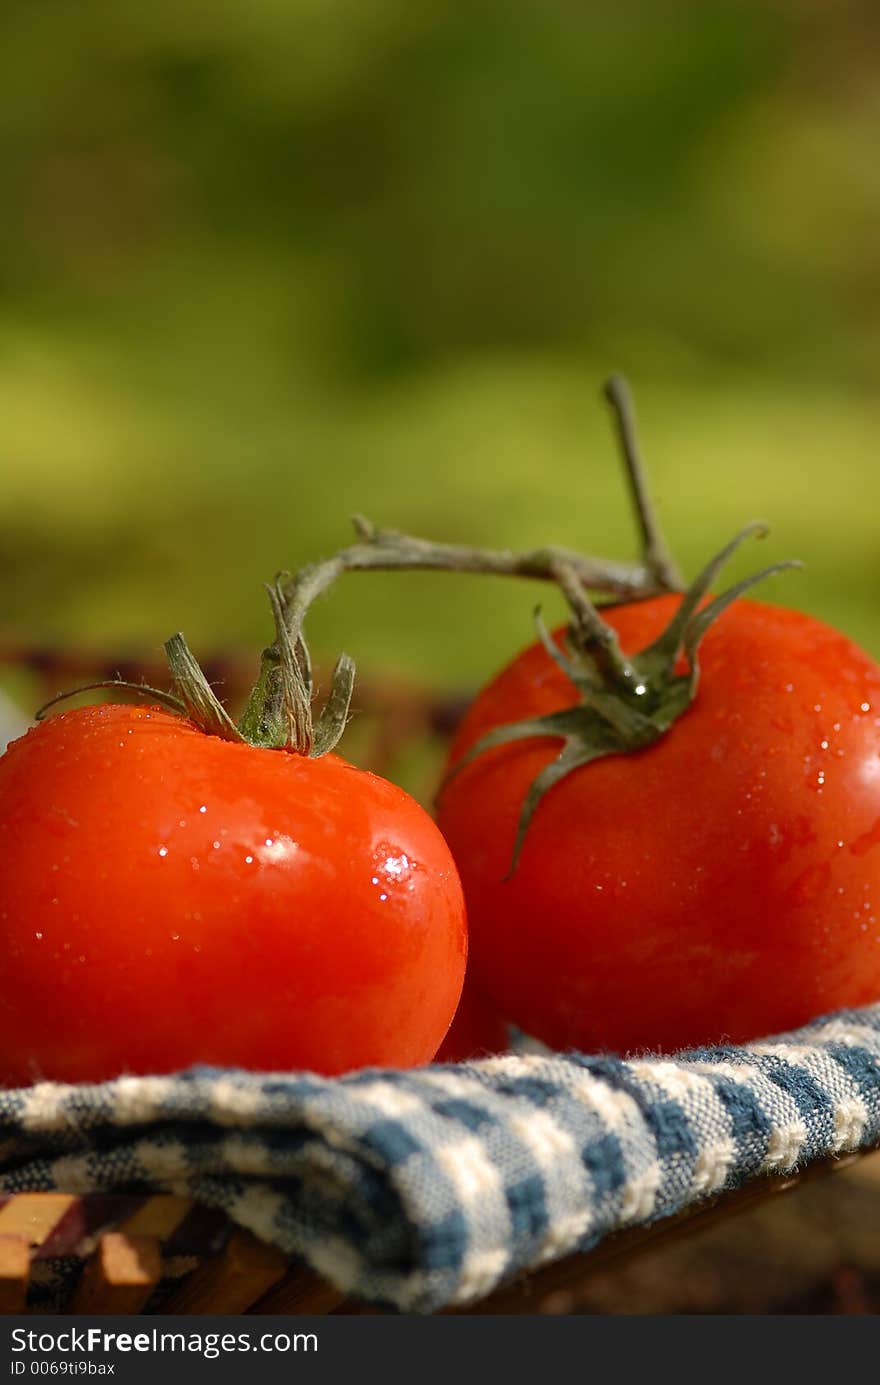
<point x="266" y="264"/>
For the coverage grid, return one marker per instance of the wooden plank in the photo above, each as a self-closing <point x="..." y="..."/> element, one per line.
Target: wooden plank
<point x="120" y="1276"/>
<point x="300" y="1291"/>
<point x="159" y="1216"/>
<point x="15" y="1264"/>
<point x="34" y="1215"/>
<point x="231" y="1282"/>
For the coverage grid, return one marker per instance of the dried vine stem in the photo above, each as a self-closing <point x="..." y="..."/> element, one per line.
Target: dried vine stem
<point x="390" y="550"/>
<point x="655" y="550"/>
<point x="386" y="550"/>
<point x="278" y="714"/>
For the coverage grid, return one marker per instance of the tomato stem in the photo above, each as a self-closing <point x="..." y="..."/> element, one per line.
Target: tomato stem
<point x="389" y="550"/>
<point x="655" y="551"/>
<point x="590" y="631"/>
<point x="278" y="715"/>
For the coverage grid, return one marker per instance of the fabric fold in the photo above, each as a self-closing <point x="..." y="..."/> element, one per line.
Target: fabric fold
<point x="425" y="1189"/>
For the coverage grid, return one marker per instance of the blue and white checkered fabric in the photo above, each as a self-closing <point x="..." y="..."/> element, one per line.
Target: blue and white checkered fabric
<point x="427" y="1188"/>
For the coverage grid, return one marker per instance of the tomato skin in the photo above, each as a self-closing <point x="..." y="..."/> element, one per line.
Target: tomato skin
<point x="170" y="898"/>
<point x="477" y="1030"/>
<point x="720" y="885"/>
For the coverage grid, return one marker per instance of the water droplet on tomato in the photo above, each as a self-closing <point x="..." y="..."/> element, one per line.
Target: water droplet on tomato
<point x="249" y="860"/>
<point x="864" y="706"/>
<point x="163" y="851"/>
<point x="39" y="937"/>
<point x="203" y="808"/>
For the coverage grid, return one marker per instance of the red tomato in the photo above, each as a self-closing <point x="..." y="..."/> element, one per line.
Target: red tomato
<point x="477" y="1031"/>
<point x="169" y="898"/>
<point x="723" y="883"/>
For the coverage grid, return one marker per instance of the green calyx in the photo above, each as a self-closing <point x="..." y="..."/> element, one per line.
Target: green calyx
<point x="626" y="702"/>
<point x="278" y="715"/>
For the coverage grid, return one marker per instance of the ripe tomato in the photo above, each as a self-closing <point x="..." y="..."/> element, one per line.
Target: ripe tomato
<point x="722" y="883"/>
<point x="477" y="1030"/>
<point x="169" y="898"/>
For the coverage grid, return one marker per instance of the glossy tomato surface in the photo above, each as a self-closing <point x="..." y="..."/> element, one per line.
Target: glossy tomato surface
<point x="722" y="884"/>
<point x="169" y="898"/>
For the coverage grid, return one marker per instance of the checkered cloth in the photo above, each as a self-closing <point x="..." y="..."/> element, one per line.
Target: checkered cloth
<point x="427" y="1188"/>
